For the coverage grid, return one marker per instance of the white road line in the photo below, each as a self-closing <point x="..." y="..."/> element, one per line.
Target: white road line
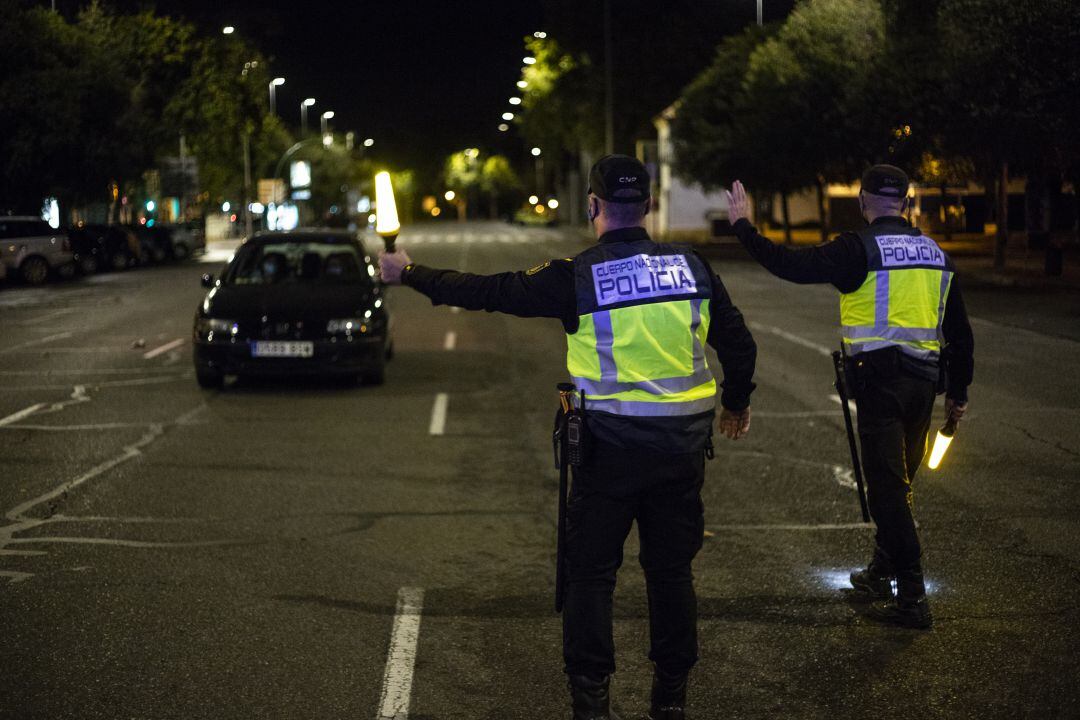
<point x="25" y="412"/>
<point x="150" y="354"/>
<point x="438" y="415"/>
<point x="15" y="576"/>
<point x="118" y="542"/>
<point x="795" y="527"/>
<point x="850" y="404"/>
<point x="76" y="428"/>
<point x="451" y="340"/>
<point x="51" y="315"/>
<point x="129" y="453"/>
<point x="39" y="341"/>
<point x="401" y="656"/>
<point x="821" y="349"/>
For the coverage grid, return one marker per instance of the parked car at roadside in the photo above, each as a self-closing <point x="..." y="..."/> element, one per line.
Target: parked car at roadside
<point x="155" y="243"/>
<point x="187" y="239"/>
<point x="32" y="249"/>
<point x="103" y="247"/>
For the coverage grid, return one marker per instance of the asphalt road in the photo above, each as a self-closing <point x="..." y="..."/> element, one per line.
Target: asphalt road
<point x="314" y="550"/>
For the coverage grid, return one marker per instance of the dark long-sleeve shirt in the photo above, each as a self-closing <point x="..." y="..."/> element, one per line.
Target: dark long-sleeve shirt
<point x="548" y="291"/>
<point x="842" y="263"/>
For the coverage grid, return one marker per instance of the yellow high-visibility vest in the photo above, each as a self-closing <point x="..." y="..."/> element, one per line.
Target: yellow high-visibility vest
<point x="643" y="320"/>
<point x="901" y="303"/>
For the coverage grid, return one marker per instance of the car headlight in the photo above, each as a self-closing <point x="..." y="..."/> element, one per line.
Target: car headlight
<point x="205" y="326"/>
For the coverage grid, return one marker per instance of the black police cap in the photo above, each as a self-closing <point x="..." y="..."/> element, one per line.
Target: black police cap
<point x="619" y="179"/>
<point x="885" y="180"/>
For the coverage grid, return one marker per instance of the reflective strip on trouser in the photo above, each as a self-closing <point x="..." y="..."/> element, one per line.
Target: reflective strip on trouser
<point x="666" y="396"/>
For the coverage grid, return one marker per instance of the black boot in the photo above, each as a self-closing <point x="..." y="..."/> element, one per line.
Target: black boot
<point x="910" y="609"/>
<point x="870" y="585"/>
<point x="590" y="698"/>
<point x="875" y="582"/>
<point x="668" y="697"/>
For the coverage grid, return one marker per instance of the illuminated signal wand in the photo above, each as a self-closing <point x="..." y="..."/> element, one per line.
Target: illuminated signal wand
<point x="387" y="225"/>
<point x="941" y="442"/>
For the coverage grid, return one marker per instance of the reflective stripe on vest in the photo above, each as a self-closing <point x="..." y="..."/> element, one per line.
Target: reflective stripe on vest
<point x="645" y="357"/>
<point x="901" y="304"/>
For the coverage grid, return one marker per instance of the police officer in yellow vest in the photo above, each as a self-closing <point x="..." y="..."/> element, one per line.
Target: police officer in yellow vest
<point x="637" y="316"/>
<point x="904" y="324"/>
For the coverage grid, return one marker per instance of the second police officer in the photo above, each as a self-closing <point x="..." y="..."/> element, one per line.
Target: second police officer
<point x="637" y="316"/>
<point x="904" y="324"/>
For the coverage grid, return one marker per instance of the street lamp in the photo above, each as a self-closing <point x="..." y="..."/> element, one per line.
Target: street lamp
<point x="503" y="127"/>
<point x="228" y="30"/>
<point x="529" y="60"/>
<point x="522" y="84"/>
<point x="368" y="142"/>
<point x="449" y="195"/>
<point x="328" y="115"/>
<point x="515" y="100"/>
<point x="303" y="115"/>
<point x="508" y="116"/>
<point x="536" y="152"/>
<point x="273" y="94"/>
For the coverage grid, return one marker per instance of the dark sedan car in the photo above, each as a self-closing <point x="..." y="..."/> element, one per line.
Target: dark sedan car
<point x="98" y="247"/>
<point x="305" y="302"/>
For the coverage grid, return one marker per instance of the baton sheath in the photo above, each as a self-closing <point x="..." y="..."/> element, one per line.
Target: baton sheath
<point x="560" y="548"/>
<point x="840" y="364"/>
<point x="562" y="462"/>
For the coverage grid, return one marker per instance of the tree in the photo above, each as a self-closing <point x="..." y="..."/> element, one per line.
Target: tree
<point x="57" y="132"/>
<point x="562" y="102"/>
<point x="497" y="180"/>
<point x="807" y="90"/>
<point x="462" y="173"/>
<point x="1012" y="78"/>
<point x="709" y="131"/>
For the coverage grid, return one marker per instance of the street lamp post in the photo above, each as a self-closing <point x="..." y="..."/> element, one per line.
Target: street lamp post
<point x="609" y="91"/>
<point x="760" y="12"/>
<point x="273" y="94"/>
<point x="303" y="115"/>
<point x="539" y="167"/>
<point x="328" y="115"/>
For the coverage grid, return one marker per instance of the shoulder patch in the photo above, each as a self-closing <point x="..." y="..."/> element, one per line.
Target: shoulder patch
<point x="538" y="268"/>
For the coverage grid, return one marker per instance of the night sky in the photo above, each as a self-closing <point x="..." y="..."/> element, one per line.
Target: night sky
<point x="426" y="78"/>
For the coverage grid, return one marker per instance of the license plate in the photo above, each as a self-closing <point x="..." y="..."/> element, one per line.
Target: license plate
<point x="282" y="349"/>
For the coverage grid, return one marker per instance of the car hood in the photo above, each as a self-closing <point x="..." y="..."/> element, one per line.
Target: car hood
<point x="239" y="302"/>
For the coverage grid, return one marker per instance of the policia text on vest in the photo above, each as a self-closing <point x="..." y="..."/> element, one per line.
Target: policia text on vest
<point x="641" y="277"/>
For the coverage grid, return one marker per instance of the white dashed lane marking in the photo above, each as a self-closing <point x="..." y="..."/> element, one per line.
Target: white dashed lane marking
<point x="438" y="415"/>
<point x="401" y="657"/>
<point x="151" y="354"/>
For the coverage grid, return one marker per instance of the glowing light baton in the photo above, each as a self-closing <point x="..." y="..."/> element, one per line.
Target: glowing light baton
<point x="386" y="216"/>
<point x="941" y="443"/>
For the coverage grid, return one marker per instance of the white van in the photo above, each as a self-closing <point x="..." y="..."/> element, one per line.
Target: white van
<point x="30" y="249"/>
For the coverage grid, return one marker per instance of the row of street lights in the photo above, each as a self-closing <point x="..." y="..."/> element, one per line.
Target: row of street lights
<point x="304" y="105"/>
<point x="327" y="138"/>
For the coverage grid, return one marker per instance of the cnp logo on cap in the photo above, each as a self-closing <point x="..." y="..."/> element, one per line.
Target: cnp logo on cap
<point x="887" y="180"/>
<point x="619" y="179"/>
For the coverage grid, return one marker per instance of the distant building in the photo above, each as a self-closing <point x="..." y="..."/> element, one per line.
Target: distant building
<point x="682" y="210"/>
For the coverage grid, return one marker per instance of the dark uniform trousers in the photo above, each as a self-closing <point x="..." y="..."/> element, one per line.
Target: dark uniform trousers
<point x="615" y="487"/>
<point x="895" y="408"/>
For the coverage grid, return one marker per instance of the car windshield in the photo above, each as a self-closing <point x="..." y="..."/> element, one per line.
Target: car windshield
<point x="293" y="262"/>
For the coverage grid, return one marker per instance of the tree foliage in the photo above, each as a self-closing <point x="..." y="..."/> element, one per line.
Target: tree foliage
<point x="105" y="97"/>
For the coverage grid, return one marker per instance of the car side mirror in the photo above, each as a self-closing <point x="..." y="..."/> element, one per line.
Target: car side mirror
<point x="208" y="280"/>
